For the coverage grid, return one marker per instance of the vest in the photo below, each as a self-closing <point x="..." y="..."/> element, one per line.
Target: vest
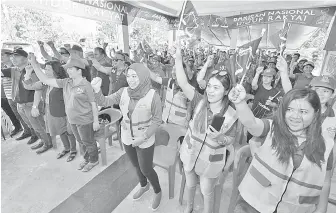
<point x="140" y="120"/>
<point x="56" y="102"/>
<point x="207" y="160"/>
<point x="267" y="181"/>
<point x="175" y="109"/>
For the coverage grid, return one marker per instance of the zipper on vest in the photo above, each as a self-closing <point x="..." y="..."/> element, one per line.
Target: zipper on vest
<point x="131" y="126"/>
<point x="290" y="177"/>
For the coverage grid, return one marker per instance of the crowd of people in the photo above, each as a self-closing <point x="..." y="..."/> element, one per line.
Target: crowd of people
<point x="285" y="113"/>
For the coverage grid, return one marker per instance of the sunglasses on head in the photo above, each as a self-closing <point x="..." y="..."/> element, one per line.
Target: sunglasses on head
<point x="217" y="72"/>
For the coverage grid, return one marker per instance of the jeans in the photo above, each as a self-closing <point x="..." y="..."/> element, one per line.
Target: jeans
<point x="84" y="136"/>
<point x="13" y="105"/>
<point x="142" y="160"/>
<point x="69" y="142"/>
<point x="207" y="186"/>
<point x="9" y="111"/>
<point x="36" y="123"/>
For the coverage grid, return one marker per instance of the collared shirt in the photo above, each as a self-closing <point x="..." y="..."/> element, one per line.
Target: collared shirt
<point x="19" y="93"/>
<point x="77" y="99"/>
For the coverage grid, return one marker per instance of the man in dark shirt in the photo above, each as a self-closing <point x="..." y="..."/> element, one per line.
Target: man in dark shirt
<point x="101" y="58"/>
<point x="28" y="101"/>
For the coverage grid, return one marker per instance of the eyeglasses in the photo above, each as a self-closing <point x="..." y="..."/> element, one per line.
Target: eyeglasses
<point x="116" y="60"/>
<point x="217" y="72"/>
<point x="64" y="53"/>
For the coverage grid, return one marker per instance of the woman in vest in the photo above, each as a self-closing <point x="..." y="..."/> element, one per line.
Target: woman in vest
<point x="291" y="170"/>
<point x="324" y="87"/>
<point x="176" y="107"/>
<point x="203" y="151"/>
<point x="141" y="109"/>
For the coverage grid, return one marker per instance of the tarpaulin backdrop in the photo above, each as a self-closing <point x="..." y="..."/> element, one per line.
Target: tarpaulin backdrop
<point x="304" y="23"/>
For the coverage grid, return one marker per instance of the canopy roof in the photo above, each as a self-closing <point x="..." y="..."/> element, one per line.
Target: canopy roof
<point x="227" y="8"/>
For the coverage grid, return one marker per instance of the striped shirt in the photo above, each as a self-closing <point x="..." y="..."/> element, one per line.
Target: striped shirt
<point x="6" y="84"/>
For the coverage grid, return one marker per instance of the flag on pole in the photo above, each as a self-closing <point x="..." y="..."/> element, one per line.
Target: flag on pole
<point x="189" y="22"/>
<point x="148" y="50"/>
<point x="279" y="38"/>
<point x="245" y="54"/>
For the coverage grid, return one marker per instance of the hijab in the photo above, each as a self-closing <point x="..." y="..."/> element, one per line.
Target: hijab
<point x="144" y="82"/>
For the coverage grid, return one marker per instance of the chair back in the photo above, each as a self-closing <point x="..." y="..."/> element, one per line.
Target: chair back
<point x="174" y="132"/>
<point x="114" y="114"/>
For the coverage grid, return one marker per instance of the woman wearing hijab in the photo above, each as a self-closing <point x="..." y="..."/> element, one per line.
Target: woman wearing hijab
<point x="141" y="109"/>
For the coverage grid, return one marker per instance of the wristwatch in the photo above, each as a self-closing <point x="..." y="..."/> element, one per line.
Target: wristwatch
<point x="35" y="107"/>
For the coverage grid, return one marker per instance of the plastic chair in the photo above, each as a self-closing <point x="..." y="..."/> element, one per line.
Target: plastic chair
<point x="166" y="155"/>
<point x="115" y="115"/>
<point x="230" y="153"/>
<point x="241" y="164"/>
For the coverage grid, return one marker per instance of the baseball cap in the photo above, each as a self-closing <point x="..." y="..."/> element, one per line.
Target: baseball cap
<point x="76" y="47"/>
<point x="272" y="60"/>
<point x="309" y="63"/>
<point x="74" y="62"/>
<point x="323" y="81"/>
<point x="269" y="72"/>
<point x="6" y="51"/>
<point x="119" y="56"/>
<point x="303" y="60"/>
<point x="20" y="52"/>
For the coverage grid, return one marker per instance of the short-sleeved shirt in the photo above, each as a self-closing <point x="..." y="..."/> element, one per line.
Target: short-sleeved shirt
<point x="298" y="155"/>
<point x="105" y="78"/>
<point x="259" y="108"/>
<point x="77" y="99"/>
<point x="194" y="102"/>
<point x="302" y="81"/>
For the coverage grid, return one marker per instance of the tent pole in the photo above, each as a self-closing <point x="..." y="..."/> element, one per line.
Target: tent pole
<point x="267" y="36"/>
<point x="325" y="42"/>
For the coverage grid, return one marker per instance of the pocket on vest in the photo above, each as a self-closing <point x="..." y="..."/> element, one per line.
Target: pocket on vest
<point x="215" y="158"/>
<point x="309" y="199"/>
<point x="260" y="177"/>
<point x="180" y="114"/>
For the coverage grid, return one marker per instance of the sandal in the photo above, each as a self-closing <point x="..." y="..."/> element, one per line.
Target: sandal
<point x="72" y="156"/>
<point x="64" y="152"/>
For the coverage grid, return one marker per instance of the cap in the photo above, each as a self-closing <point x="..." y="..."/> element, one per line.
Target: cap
<point x="272" y="60"/>
<point x="20" y="52"/>
<point x="323" y="81"/>
<point x="6" y="51"/>
<point x="303" y="60"/>
<point x="309" y="63"/>
<point x="74" y="62"/>
<point x="269" y="72"/>
<point x="155" y="57"/>
<point x="119" y="56"/>
<point x="76" y="47"/>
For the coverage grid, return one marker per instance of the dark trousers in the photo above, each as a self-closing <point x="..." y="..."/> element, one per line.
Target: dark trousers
<point x="84" y="136"/>
<point x="13" y="105"/>
<point x="9" y="111"/>
<point x="142" y="160"/>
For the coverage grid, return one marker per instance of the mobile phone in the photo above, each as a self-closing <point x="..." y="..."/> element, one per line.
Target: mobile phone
<point x="217" y="122"/>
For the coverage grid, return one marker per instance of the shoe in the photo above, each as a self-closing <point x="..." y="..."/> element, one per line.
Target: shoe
<point x="141" y="192"/>
<point x="37" y="146"/>
<point x="156" y="201"/>
<point x="24" y="135"/>
<point x="89" y="166"/>
<point x="32" y="140"/>
<point x="82" y="165"/>
<point x="43" y="149"/>
<point x="61" y="154"/>
<point x="15" y="131"/>
<point x="72" y="156"/>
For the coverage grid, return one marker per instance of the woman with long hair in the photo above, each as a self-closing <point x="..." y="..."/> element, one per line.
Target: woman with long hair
<point x="141" y="109"/>
<point x="291" y="170"/>
<point x="211" y="130"/>
<point x="80" y="106"/>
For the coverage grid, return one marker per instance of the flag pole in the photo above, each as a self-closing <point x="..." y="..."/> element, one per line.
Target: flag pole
<point x="182" y="13"/>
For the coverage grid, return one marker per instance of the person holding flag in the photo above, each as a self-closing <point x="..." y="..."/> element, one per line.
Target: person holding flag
<point x="211" y="132"/>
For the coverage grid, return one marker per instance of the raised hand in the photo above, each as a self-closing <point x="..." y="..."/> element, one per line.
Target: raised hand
<point x="105" y="45"/>
<point x="40" y="43"/>
<point x="51" y="44"/>
<point x="282" y="64"/>
<point x="96" y="84"/>
<point x="237" y="94"/>
<point x="259" y="70"/>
